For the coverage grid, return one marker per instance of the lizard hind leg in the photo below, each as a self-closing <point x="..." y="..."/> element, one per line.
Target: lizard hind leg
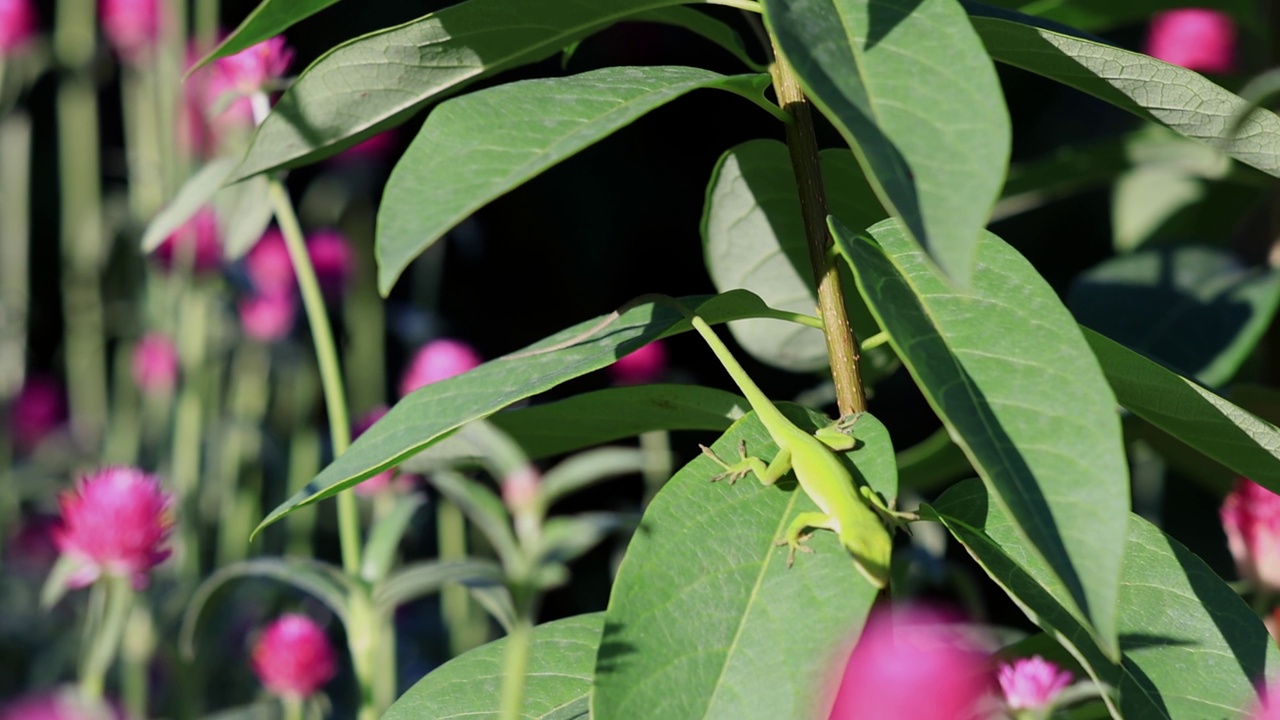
<point x="795" y="536"/>
<point x="738" y="470"/>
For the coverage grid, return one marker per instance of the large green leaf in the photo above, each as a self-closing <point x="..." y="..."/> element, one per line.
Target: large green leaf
<point x="271" y="17"/>
<point x="436" y="410"/>
<point x="373" y="82"/>
<point x="1173" y="614"/>
<point x="706" y="26"/>
<point x="505" y="135"/>
<point x="1007" y="370"/>
<point x="557" y="683"/>
<point x="910" y="88"/>
<point x="1205" y="421"/>
<point x="1176" y="97"/>
<point x="753" y="237"/>
<point x="1197" y="310"/>
<point x="706" y="620"/>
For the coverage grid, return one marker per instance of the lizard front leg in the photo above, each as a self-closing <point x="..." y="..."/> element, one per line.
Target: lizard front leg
<point x="767" y="474"/>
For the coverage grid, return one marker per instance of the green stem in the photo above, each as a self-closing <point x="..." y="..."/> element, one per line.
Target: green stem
<point x="125" y="430"/>
<point x="239" y="487"/>
<point x="138" y="648"/>
<point x="455" y="603"/>
<point x="15" y="249"/>
<point x="106" y="639"/>
<point x="515" y="665"/>
<point x="292" y="707"/>
<point x="656" y="448"/>
<point x="83" y="248"/>
<point x="187" y="428"/>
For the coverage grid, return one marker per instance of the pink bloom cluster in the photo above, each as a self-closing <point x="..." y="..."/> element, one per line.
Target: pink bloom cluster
<point x="293" y="657"/>
<point x="216" y="102"/>
<point x="1196" y="38"/>
<point x="198" y="241"/>
<point x="1032" y="683"/>
<point x="115" y="522"/>
<point x="646" y="365"/>
<point x="905" y="650"/>
<point x="39" y="409"/>
<point x="436" y="361"/>
<point x="1251" y="518"/>
<point x="331" y="256"/>
<point x="133" y="27"/>
<point x="17" y="25"/>
<point x="56" y="706"/>
<point x="155" y="364"/>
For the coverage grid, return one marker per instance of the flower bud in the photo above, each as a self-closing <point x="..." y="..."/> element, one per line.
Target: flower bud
<point x="293" y="657"/>
<point x="268" y="264"/>
<point x="155" y="364"/>
<point x="1251" y="518"/>
<point x="132" y="27"/>
<point x="38" y="410"/>
<point x="17" y="25"/>
<point x="331" y="256"/>
<point x="1032" y="683"/>
<point x="255" y="67"/>
<point x="268" y="317"/>
<point x="1196" y="38"/>
<point x="642" y="366"/>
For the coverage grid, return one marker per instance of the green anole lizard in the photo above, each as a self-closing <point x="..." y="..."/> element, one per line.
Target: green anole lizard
<point x="821" y="475"/>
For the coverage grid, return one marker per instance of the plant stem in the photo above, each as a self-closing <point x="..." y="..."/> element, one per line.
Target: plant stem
<point x="187" y="432"/>
<point x="106" y="640"/>
<point x="83" y="251"/>
<point x="15" y="248"/>
<point x="842" y="345"/>
<point x="515" y="664"/>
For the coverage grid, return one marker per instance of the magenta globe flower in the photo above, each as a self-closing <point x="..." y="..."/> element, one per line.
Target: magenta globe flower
<point x="912" y="664"/>
<point x="155" y="364"/>
<point x="269" y="265"/>
<point x="436" y="361"/>
<point x="17" y="25"/>
<point x="332" y="258"/>
<point x="268" y="317"/>
<point x="198" y="241"/>
<point x="116" y="522"/>
<point x="1251" y="518"/>
<point x="293" y="657"/>
<point x="38" y="410"/>
<point x="1196" y="38"/>
<point x="132" y="27"/>
<point x="61" y="705"/>
<point x="1032" y="683"/>
<point x="645" y="365"/>
<point x="255" y="67"/>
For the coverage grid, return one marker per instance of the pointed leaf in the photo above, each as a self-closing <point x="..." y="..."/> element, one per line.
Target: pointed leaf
<point x="1205" y="421"/>
<point x="385" y="537"/>
<point x="705" y="618"/>
<point x="1197" y="310"/>
<point x="419" y="579"/>
<point x="708" y="27"/>
<point x="587" y="468"/>
<point x="1184" y="101"/>
<point x="432" y="412"/>
<point x="376" y="81"/>
<point x="194" y="194"/>
<point x="565" y="538"/>
<point x="1173" y="614"/>
<point x="910" y="88"/>
<point x="558" y="118"/>
<point x="270" y="18"/>
<point x="483" y="508"/>
<point x="753" y="237"/>
<point x="1007" y="371"/>
<point x="558" y="682"/>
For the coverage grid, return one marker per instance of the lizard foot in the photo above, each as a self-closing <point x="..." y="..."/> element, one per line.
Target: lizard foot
<point x="734" y="472"/>
<point x="794" y="544"/>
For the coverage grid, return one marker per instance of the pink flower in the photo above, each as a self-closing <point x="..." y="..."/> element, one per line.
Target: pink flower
<point x="912" y="664"/>
<point x="1032" y="683"/>
<point x="383" y="480"/>
<point x="56" y="706"/>
<point x="332" y="259"/>
<point x="1267" y="707"/>
<point x="293" y="657"/>
<point x="268" y="317"/>
<point x="437" y="360"/>
<point x="269" y="265"/>
<point x="212" y="113"/>
<point x="198" y="241"/>
<point x="520" y="488"/>
<point x="1195" y="38"/>
<point x="1251" y="518"/>
<point x="115" y="522"/>
<point x="641" y="366"/>
<point x="255" y="67"/>
<point x="132" y="27"/>
<point x="38" y="410"/>
<point x="17" y="25"/>
<point x="155" y="364"/>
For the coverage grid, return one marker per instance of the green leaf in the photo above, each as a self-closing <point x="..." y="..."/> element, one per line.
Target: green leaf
<point x="379" y="80"/>
<point x="243" y="210"/>
<point x="558" y="118"/>
<point x="557" y="684"/>
<point x="322" y="581"/>
<point x="384" y="538"/>
<point x="1173" y="614"/>
<point x="1098" y="15"/>
<point x="753" y="237"/>
<point x="1173" y="96"/>
<point x="483" y="508"/>
<point x="706" y="26"/>
<point x="436" y="410"/>
<point x="270" y="18"/>
<point x="419" y="579"/>
<point x="1007" y="371"/>
<point x="194" y="194"/>
<point x="1197" y="310"/>
<point x="706" y="620"/>
<point x="1205" y="421"/>
<point x="910" y="88"/>
<point x="586" y="469"/>
<point x="564" y="539"/>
